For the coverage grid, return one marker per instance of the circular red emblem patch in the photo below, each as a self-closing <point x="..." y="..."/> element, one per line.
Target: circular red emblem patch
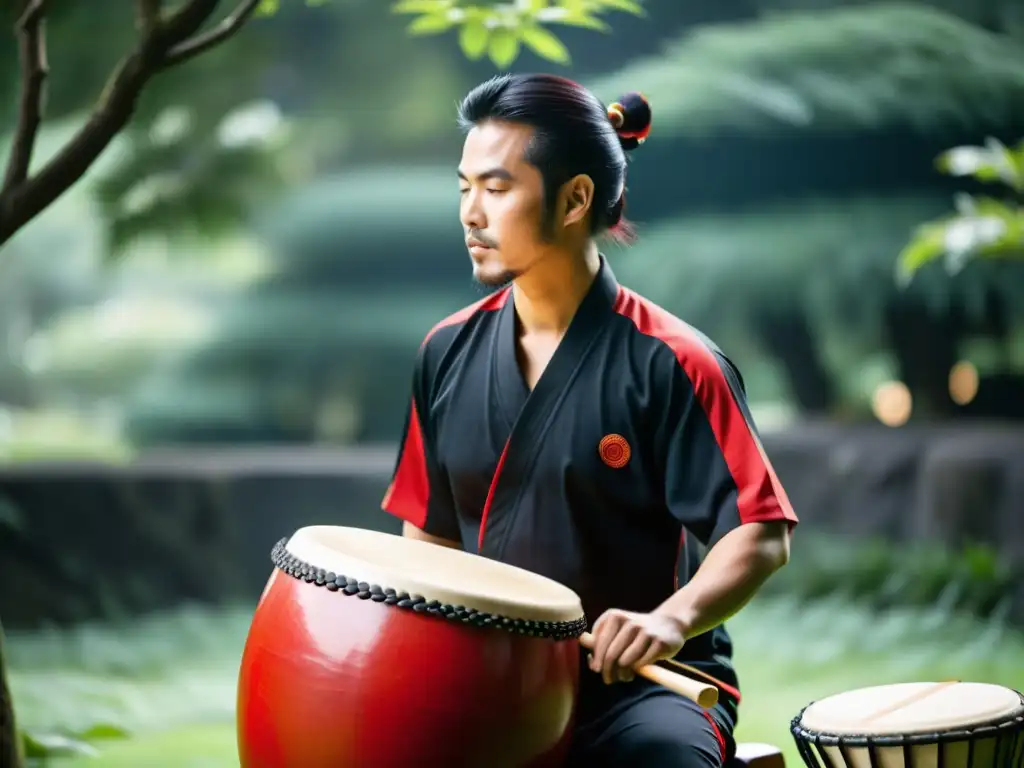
<point x="614" y="451"/>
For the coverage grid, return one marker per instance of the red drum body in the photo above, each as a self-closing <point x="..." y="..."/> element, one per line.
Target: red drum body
<point x="394" y="653"/>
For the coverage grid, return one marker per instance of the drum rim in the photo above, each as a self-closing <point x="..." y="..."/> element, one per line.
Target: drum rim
<point x="423" y="568"/>
<point x="348" y="585"/>
<point x="1009" y="723"/>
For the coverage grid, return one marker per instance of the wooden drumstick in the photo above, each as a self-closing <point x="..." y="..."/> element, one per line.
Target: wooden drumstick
<point x="703" y="694"/>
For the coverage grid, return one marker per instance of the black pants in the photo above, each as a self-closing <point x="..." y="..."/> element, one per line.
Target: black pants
<point x="639" y="724"/>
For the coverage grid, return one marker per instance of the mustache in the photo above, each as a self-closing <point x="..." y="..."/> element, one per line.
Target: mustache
<point x="476" y="234"/>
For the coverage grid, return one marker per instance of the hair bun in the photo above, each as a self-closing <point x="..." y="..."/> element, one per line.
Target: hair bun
<point x="631" y="118"/>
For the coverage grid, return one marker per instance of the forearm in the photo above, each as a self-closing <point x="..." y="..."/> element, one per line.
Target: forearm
<point x="731" y="574"/>
<point x="410" y="531"/>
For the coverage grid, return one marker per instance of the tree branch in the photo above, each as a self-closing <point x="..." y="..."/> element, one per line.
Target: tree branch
<point x="206" y="40"/>
<point x="32" y="56"/>
<point x="147" y="15"/>
<point x="176" y="37"/>
<point x="188" y="20"/>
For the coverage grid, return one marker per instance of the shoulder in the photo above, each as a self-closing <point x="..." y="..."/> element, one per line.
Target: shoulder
<point x="672" y="338"/>
<point x="442" y="341"/>
<point x="443" y="332"/>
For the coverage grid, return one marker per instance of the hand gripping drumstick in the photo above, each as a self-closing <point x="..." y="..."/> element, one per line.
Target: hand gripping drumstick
<point x="703" y="694"/>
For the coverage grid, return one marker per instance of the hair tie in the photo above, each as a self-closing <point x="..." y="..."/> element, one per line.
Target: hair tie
<point x="617" y="115"/>
<point x="630" y="116"/>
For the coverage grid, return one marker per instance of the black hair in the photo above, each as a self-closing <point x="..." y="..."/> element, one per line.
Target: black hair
<point x="574" y="133"/>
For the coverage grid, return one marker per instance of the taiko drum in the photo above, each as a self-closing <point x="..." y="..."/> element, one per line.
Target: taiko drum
<point x="369" y="650"/>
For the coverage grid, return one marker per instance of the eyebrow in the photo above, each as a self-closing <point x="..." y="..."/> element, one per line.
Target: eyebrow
<point x="493" y="173"/>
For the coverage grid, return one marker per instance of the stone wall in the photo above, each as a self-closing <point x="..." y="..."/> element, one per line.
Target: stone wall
<point x="80" y="541"/>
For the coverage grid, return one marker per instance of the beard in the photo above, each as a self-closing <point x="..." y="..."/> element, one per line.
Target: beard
<point x="487" y="283"/>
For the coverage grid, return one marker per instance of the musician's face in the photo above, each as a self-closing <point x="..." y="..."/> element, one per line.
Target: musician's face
<point x="502" y="202"/>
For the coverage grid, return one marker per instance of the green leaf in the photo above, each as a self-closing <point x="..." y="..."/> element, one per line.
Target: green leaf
<point x="109" y="731"/>
<point x="503" y="48"/>
<point x="585" y="21"/>
<point x="970" y="205"/>
<point x="626" y="6"/>
<point x="983" y="227"/>
<point x="473" y="39"/>
<point x="544" y="44"/>
<point x="45" y="745"/>
<point x="990" y="163"/>
<point x="421" y="6"/>
<point x="927" y="245"/>
<point x="268" y="7"/>
<point x="431" y="24"/>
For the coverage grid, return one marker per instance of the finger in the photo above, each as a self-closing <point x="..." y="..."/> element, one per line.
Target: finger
<point x="625" y="672"/>
<point x="655" y="652"/>
<point x="605" y="629"/>
<point x="636" y="651"/>
<point x="623" y="639"/>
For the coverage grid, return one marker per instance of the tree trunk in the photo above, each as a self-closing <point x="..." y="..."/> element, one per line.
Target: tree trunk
<point x="10" y="746"/>
<point x="926" y="345"/>
<point x="786" y="335"/>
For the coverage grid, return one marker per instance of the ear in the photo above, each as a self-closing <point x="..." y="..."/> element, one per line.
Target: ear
<point x="577" y="199"/>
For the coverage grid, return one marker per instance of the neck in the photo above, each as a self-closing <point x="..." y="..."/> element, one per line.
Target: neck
<point x="548" y="295"/>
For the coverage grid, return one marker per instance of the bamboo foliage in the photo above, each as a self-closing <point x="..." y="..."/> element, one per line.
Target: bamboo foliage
<point x="832" y="258"/>
<point x="861" y="67"/>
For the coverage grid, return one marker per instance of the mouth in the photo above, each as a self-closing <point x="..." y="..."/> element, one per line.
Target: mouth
<point x="476" y="247"/>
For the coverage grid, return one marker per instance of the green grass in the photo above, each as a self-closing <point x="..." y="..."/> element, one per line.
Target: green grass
<point x="170" y="680"/>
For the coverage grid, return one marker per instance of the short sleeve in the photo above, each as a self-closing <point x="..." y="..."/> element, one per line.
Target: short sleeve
<point x="717" y="476"/>
<point x="419" y="492"/>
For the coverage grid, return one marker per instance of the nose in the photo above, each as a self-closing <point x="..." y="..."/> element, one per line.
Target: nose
<point x="471" y="211"/>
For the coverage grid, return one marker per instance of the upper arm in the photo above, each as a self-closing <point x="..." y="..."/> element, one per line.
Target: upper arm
<point x="419" y="492"/>
<point x="717" y="475"/>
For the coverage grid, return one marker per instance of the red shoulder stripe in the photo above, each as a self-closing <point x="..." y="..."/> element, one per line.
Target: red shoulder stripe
<point x="490" y="303"/>
<point x="760" y="495"/>
<point x="408" y="494"/>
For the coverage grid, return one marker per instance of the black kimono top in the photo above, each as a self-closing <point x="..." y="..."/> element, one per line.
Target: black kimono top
<point x="636" y="433"/>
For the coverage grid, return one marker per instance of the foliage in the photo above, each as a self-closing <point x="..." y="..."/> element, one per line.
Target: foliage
<point x="202" y="171"/>
<point x="170" y="180"/>
<point x="867" y="66"/>
<point x="832" y="258"/>
<point x="885" y="575"/>
<point x="822" y="268"/>
<point x="345" y="302"/>
<point x="164" y="39"/>
<point x="41" y="749"/>
<point x="344" y="215"/>
<point x="499" y="30"/>
<point x="982" y="226"/>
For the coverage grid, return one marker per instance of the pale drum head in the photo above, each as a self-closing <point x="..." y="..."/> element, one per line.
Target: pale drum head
<point x="438" y="573"/>
<point x="932" y="716"/>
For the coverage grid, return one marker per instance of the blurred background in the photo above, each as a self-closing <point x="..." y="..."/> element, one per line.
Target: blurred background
<point x="206" y="343"/>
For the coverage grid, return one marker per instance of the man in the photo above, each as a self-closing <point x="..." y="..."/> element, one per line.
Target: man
<point x="568" y="426"/>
